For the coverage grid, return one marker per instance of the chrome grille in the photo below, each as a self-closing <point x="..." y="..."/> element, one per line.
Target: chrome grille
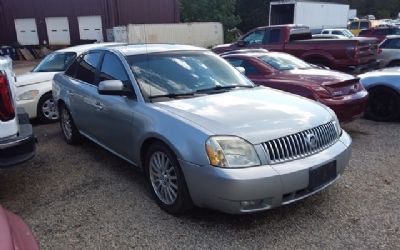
<point x="302" y="144"/>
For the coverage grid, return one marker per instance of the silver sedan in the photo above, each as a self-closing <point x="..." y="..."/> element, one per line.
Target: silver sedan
<point x="384" y="93"/>
<point x="203" y="133"/>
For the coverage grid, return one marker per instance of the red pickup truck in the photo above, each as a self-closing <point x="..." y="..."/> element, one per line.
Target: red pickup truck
<point x="349" y="55"/>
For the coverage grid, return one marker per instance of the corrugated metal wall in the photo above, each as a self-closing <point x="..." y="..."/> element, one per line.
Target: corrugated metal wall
<point x="112" y="12"/>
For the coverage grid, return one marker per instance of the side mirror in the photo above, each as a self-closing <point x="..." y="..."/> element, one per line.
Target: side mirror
<point x="113" y="87"/>
<point x="241" y="43"/>
<point x="241" y="70"/>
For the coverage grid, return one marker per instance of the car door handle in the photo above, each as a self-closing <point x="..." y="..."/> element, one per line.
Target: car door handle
<point x="69" y="93"/>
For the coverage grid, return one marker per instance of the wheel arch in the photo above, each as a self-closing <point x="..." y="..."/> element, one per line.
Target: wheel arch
<point x="150" y="140"/>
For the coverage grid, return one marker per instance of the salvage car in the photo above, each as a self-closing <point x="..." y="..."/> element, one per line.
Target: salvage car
<point x="348" y="55"/>
<point x="34" y="88"/>
<point x="17" y="142"/>
<point x="341" y="92"/>
<point x="390" y="52"/>
<point x="202" y="132"/>
<point x="384" y="94"/>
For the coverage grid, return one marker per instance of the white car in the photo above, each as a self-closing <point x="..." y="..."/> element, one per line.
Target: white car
<point x="34" y="88"/>
<point x="340" y="32"/>
<point x="17" y="143"/>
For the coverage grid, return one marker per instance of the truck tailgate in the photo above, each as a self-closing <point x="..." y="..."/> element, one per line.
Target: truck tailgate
<point x="367" y="49"/>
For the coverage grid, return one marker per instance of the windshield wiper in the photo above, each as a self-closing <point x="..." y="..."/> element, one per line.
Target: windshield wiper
<point x="219" y="87"/>
<point x="172" y="95"/>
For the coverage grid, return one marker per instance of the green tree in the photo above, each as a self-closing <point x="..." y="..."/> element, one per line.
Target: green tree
<point x="222" y="11"/>
<point x="253" y="13"/>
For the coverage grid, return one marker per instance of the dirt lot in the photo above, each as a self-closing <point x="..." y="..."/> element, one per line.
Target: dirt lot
<point x="83" y="197"/>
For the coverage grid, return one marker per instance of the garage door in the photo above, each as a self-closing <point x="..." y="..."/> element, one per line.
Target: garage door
<point x="58" y="30"/>
<point x="90" y="27"/>
<point x="26" y="31"/>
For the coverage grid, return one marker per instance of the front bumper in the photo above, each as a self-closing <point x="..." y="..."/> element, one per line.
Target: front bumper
<point x="350" y="107"/>
<point x="266" y="187"/>
<point x="20" y="148"/>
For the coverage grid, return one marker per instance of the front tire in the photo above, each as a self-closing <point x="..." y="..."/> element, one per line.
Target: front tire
<point x="383" y="105"/>
<point x="166" y="180"/>
<point x="47" y="110"/>
<point x="69" y="130"/>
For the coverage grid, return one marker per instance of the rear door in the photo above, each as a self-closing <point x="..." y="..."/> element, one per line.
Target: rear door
<point x="83" y="91"/>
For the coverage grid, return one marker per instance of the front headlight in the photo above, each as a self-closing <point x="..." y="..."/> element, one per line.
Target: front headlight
<point x="28" y="95"/>
<point x="231" y="152"/>
<point x="336" y="123"/>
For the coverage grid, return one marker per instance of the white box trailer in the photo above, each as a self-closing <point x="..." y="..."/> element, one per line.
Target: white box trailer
<point x="205" y="34"/>
<point x="316" y="15"/>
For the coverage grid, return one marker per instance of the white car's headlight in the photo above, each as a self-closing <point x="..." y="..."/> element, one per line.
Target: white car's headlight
<point x="28" y="95"/>
<point x="231" y="152"/>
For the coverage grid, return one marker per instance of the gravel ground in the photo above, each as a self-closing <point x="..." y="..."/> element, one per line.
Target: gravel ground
<point x="82" y="197"/>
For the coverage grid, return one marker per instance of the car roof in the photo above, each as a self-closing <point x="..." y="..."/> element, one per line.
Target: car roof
<point x="251" y="54"/>
<point x="79" y="49"/>
<point x="139" y="49"/>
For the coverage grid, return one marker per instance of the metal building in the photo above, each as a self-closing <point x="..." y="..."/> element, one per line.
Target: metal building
<point x="64" y="22"/>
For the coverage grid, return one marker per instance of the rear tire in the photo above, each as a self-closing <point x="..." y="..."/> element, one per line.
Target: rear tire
<point x="69" y="130"/>
<point x="383" y="104"/>
<point x="47" y="110"/>
<point x="166" y="180"/>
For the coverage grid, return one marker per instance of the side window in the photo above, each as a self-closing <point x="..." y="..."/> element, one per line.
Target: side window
<point x="250" y="69"/>
<point x="325" y="32"/>
<point x="235" y="62"/>
<point x="274" y="36"/>
<point x="71" y="71"/>
<point x="354" y="25"/>
<point x="391" y="44"/>
<point x="364" y="25"/>
<point x="381" y="32"/>
<point x="86" y="69"/>
<point x="336" y="32"/>
<point x="256" y="37"/>
<point x="112" y="69"/>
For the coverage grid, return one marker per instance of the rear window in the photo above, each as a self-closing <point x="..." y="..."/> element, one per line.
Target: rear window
<point x="364" y="25"/>
<point x="354" y="25"/>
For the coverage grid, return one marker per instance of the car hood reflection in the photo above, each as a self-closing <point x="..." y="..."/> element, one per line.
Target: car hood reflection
<point x="257" y="115"/>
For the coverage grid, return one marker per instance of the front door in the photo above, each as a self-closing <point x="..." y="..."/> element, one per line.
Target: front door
<point x="114" y="114"/>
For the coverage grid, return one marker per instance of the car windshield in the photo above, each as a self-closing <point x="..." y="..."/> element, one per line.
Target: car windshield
<point x="185" y="73"/>
<point x="55" y="62"/>
<point x="283" y="62"/>
<point x="347" y="33"/>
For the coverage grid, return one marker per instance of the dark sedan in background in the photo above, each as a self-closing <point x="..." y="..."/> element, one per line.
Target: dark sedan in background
<point x="341" y="92"/>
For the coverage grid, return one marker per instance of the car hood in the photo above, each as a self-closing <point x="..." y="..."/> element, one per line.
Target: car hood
<point x="257" y="115"/>
<point x="34" y="78"/>
<point x="316" y="76"/>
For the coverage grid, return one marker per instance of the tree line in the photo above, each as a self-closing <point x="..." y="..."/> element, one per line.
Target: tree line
<point x="247" y="14"/>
